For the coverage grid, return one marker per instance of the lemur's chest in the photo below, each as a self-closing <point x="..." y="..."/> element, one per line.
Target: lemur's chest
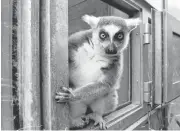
<point x="86" y="68"/>
<point x="86" y="73"/>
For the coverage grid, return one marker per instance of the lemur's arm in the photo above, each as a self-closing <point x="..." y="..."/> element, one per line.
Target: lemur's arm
<point x="89" y="91"/>
<point x="92" y="90"/>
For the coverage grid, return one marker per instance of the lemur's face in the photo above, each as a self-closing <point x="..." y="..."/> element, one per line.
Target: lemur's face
<point x="110" y="34"/>
<point x="110" y="39"/>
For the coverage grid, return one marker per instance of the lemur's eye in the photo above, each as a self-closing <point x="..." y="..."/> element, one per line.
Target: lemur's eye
<point x="102" y="35"/>
<point x="120" y="36"/>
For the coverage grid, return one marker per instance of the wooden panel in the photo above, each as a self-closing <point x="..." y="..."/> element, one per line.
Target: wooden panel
<point x="7" y="122"/>
<point x="28" y="65"/>
<point x="54" y="61"/>
<point x="35" y="68"/>
<point x="156" y="30"/>
<point x="171" y="58"/>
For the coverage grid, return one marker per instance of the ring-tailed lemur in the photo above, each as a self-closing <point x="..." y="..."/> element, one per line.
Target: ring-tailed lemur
<point x="95" y="68"/>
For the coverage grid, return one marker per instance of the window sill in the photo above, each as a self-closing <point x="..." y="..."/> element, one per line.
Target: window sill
<point x="117" y="118"/>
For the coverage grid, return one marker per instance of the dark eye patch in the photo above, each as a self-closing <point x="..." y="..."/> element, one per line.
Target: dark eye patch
<point x="119" y="36"/>
<point x="103" y="35"/>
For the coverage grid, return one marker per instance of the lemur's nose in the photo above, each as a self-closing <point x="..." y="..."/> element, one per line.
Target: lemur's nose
<point x="111" y="49"/>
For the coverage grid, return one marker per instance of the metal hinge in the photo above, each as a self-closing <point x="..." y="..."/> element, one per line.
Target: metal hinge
<point x="147" y="33"/>
<point x="148" y="93"/>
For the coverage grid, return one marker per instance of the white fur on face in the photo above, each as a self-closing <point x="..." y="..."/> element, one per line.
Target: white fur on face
<point x="112" y="30"/>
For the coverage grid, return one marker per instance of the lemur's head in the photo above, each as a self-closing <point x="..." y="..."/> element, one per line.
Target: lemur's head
<point x="110" y="34"/>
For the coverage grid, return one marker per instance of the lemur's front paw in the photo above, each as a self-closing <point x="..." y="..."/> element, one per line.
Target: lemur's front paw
<point x="85" y="119"/>
<point x="101" y="123"/>
<point x="64" y="96"/>
<point x="98" y="120"/>
<point x="79" y="122"/>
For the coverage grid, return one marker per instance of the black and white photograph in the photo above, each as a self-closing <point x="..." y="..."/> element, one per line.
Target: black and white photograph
<point x="90" y="65"/>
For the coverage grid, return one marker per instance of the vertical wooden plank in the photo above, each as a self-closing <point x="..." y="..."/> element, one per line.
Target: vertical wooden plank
<point x="15" y="65"/>
<point x="35" y="66"/>
<point x="59" y="59"/>
<point x="7" y="122"/>
<point x="54" y="55"/>
<point x="157" y="55"/>
<point x="45" y="62"/>
<point x="167" y="58"/>
<point x="28" y="64"/>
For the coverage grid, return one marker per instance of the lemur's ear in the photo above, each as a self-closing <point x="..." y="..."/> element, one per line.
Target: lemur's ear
<point x="133" y="23"/>
<point x="91" y="20"/>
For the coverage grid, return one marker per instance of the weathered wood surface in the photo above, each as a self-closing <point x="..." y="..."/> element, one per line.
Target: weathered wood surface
<point x="157" y="55"/>
<point x="54" y="61"/>
<point x="28" y="81"/>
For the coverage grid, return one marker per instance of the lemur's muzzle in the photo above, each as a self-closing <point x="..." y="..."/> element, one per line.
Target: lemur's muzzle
<point x="111" y="49"/>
